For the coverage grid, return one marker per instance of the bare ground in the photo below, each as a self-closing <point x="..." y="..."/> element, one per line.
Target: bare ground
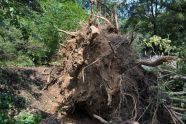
<point x="28" y="84"/>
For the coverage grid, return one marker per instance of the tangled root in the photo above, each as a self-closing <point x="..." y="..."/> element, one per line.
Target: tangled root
<point x="102" y="76"/>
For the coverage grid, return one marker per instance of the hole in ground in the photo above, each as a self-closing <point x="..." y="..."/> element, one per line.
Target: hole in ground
<point x="81" y="113"/>
<point x="79" y="110"/>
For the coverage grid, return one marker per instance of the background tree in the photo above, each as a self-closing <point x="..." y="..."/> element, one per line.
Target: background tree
<point x="27" y="29"/>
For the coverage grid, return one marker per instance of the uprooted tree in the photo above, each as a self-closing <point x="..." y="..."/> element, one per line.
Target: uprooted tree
<point x="103" y="77"/>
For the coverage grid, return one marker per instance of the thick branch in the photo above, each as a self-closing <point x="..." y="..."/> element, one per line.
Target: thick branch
<point x="100" y="119"/>
<point x="178" y="99"/>
<point x="177" y="108"/>
<point x="176" y="93"/>
<point x="157" y="61"/>
<point x="103" y="18"/>
<point x="116" y="21"/>
<point x="179" y="77"/>
<point x="69" y="33"/>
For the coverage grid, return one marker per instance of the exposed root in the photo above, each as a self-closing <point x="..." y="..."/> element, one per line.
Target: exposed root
<point x="83" y="69"/>
<point x="156" y="62"/>
<point x="103" y="18"/>
<point x="100" y="119"/>
<point x="135" y="106"/>
<point x="171" y="114"/>
<point x="177" y="108"/>
<point x="68" y="33"/>
<point x="49" y="76"/>
<point x="144" y="111"/>
<point x="179" y="77"/>
<point x="101" y="77"/>
<point x="116" y="21"/>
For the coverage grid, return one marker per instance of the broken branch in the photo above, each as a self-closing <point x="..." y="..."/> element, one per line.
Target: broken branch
<point x="116" y="21"/>
<point x="176" y="93"/>
<point x="103" y="18"/>
<point x="69" y="33"/>
<point x="156" y="62"/>
<point x="179" y="77"/>
<point x="178" y="99"/>
<point x="100" y="119"/>
<point x="177" y="108"/>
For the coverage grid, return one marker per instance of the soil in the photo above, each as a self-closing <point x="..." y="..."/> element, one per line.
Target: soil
<point x="27" y="83"/>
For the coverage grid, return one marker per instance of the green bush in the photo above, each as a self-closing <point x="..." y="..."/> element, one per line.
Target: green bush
<point x="29" y="32"/>
<point x="9" y="103"/>
<point x="27" y="118"/>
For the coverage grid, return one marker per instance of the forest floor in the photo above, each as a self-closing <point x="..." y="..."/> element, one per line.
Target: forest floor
<point x="28" y="83"/>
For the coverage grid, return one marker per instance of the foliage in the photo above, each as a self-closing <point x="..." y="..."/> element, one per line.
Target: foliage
<point x="8" y="104"/>
<point x="27" y="29"/>
<point x="162" y="25"/>
<point x="164" y="45"/>
<point x="27" y="118"/>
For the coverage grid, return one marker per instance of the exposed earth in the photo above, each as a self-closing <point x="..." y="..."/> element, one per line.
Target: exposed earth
<point x="27" y="83"/>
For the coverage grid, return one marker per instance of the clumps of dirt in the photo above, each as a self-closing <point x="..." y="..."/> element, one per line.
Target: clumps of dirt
<point x="101" y="78"/>
<point x="22" y="89"/>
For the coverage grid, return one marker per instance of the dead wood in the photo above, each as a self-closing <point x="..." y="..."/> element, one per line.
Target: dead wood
<point x="175" y="99"/>
<point x="177" y="108"/>
<point x="68" y="33"/>
<point x="94" y="31"/>
<point x="116" y="21"/>
<point x="103" y="18"/>
<point x="156" y="62"/>
<point x="100" y="119"/>
<point x="179" y="77"/>
<point x="176" y="93"/>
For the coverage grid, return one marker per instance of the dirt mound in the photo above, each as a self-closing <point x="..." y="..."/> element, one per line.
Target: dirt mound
<point x="21" y="90"/>
<point x="26" y="83"/>
<point x="101" y="78"/>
